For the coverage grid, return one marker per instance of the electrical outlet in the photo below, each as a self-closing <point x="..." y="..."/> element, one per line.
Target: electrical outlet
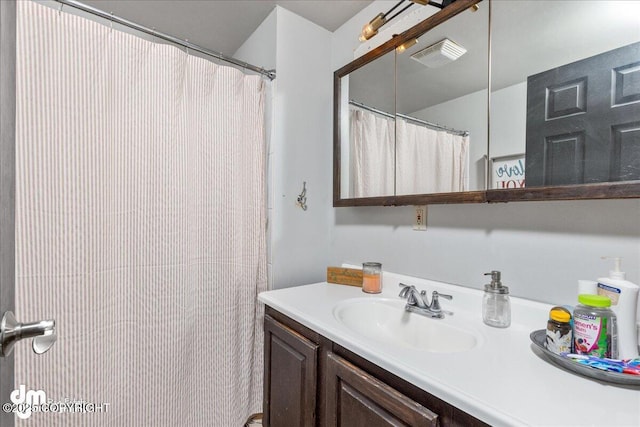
<point x="420" y="220"/>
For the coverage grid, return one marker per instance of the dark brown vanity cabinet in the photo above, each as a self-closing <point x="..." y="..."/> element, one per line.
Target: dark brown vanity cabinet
<point x="355" y="398"/>
<point x="312" y="381"/>
<point x="290" y="380"/>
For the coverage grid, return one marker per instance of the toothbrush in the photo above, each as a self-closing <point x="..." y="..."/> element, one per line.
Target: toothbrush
<point x="628" y="366"/>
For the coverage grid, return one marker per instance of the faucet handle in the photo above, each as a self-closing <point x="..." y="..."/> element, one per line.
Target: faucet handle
<point x="435" y="301"/>
<point x="405" y="290"/>
<point x="436" y="294"/>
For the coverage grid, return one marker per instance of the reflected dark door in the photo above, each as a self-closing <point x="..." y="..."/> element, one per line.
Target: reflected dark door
<point x="583" y="121"/>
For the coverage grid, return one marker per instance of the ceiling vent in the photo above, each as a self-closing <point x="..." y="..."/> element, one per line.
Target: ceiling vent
<point x="439" y="54"/>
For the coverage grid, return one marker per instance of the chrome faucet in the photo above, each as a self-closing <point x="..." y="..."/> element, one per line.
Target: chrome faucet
<point x="418" y="302"/>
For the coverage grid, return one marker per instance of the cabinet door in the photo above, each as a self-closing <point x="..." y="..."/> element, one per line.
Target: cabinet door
<point x="356" y="399"/>
<point x="290" y="365"/>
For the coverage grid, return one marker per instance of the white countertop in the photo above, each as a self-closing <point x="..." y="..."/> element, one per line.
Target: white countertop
<point x="501" y="381"/>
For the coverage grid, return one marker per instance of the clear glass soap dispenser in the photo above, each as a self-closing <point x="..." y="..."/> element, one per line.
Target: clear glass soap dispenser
<point x="496" y="306"/>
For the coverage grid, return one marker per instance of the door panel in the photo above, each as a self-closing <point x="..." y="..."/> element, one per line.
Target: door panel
<point x="356" y="399"/>
<point x="290" y="379"/>
<point x="582" y="120"/>
<point x="7" y="185"/>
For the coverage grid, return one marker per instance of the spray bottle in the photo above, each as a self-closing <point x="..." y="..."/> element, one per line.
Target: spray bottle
<point x="624" y="303"/>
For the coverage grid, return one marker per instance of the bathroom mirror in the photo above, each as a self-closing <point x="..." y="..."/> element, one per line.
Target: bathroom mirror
<point x="441" y="108"/>
<point x="368" y="129"/>
<point x="565" y="101"/>
<point x="366" y="153"/>
<point x="572" y="151"/>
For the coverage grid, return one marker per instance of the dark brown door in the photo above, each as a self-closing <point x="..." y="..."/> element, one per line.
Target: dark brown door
<point x="583" y="121"/>
<point x="356" y="399"/>
<point x="290" y="366"/>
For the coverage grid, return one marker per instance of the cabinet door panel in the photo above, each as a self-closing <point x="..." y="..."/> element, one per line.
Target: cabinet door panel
<point x="356" y="399"/>
<point x="290" y="377"/>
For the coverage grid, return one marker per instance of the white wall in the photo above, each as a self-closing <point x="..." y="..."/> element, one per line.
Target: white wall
<point x="509" y="120"/>
<point x="541" y="247"/>
<point x="300" y="146"/>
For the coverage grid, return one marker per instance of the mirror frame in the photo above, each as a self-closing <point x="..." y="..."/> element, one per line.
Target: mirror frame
<point x="608" y="190"/>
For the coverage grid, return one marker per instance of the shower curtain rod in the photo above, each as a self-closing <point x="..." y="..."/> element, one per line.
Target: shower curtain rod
<point x="430" y="125"/>
<point x="270" y="74"/>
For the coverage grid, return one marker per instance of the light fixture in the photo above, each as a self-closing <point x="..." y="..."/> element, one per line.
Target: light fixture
<point x="439" y="54"/>
<point x="371" y="28"/>
<point x="406" y="45"/>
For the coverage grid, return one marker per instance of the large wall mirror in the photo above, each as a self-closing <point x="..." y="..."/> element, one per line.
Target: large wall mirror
<point x="441" y="108"/>
<point x="565" y="101"/>
<point x="401" y="128"/>
<point x="564" y="118"/>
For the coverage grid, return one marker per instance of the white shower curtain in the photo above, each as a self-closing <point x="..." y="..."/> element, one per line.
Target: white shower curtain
<point x="140" y="226"/>
<point x="430" y="161"/>
<point x="372" y="153"/>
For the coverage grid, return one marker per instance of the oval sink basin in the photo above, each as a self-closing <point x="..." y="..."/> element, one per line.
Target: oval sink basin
<point x="386" y="321"/>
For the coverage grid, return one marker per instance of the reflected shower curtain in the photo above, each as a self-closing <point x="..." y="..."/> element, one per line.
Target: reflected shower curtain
<point x="372" y="155"/>
<point x="140" y="226"/>
<point x="430" y="161"/>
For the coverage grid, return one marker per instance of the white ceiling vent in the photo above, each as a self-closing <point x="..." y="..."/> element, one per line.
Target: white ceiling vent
<point x="439" y="54"/>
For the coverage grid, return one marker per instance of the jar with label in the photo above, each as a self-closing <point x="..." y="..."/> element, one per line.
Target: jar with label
<point x="372" y="277"/>
<point x="595" y="330"/>
<point x="559" y="331"/>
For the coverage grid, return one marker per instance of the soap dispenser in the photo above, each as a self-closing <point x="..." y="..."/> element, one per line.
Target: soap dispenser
<point x="496" y="307"/>
<point x="624" y="303"/>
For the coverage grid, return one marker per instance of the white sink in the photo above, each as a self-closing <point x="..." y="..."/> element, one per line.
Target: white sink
<point x="385" y="320"/>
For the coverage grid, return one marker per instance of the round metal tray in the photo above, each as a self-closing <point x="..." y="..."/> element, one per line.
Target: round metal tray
<point x="539" y="339"/>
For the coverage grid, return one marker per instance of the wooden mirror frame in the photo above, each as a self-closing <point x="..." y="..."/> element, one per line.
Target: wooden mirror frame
<point x="608" y="190"/>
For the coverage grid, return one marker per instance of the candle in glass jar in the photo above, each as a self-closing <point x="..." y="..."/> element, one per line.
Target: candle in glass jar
<point x="372" y="277"/>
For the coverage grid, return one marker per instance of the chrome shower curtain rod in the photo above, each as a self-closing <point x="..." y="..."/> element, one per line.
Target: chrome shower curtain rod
<point x="410" y="119"/>
<point x="270" y="74"/>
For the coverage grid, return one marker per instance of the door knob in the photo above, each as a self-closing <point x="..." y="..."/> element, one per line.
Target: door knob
<point x="12" y="331"/>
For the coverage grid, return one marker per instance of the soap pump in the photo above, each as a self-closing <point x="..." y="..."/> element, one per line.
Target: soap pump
<point x="496" y="307"/>
<point x="624" y="303"/>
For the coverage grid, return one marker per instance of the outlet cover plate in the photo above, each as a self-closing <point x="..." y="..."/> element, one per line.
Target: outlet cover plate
<point x="420" y="218"/>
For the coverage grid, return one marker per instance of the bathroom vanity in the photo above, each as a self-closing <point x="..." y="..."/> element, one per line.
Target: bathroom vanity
<point x="335" y="356"/>
<point x="311" y="380"/>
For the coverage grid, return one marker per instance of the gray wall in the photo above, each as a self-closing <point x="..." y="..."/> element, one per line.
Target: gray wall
<point x="299" y="147"/>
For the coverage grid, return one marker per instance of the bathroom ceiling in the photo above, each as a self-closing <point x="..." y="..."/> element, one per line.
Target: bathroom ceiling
<point x="223" y="25"/>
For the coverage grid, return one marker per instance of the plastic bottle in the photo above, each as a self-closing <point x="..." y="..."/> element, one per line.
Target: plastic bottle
<point x="594" y="327"/>
<point x="624" y="303"/>
<point x="559" y="331"/>
<point x="496" y="306"/>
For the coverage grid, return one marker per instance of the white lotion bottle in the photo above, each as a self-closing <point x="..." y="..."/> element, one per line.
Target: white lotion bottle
<point x="624" y="303"/>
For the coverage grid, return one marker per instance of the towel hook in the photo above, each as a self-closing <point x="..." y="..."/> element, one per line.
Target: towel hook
<point x="302" y="197"/>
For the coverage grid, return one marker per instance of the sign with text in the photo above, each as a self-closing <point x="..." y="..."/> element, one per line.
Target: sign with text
<point x="508" y="172"/>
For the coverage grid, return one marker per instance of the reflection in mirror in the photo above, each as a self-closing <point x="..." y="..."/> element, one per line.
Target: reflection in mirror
<point x="442" y="103"/>
<point x="565" y="102"/>
<point x="367" y="162"/>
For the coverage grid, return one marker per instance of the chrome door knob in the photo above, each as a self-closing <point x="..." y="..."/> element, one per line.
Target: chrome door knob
<point x="12" y="331"/>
